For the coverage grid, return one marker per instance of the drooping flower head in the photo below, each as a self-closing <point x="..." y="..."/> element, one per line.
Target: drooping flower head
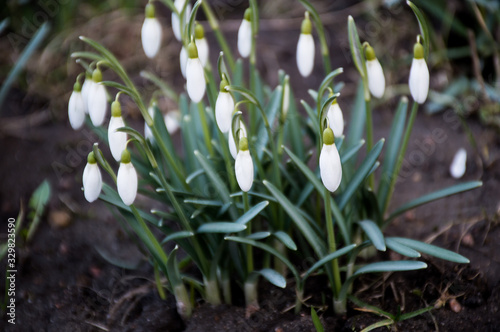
<point x="458" y="165"/>
<point x="224" y="108"/>
<point x="92" y="179"/>
<point x="201" y="43"/>
<point x="126" y="179"/>
<point x="195" y="76"/>
<point x="97" y="101"/>
<point x="245" y="34"/>
<point x="376" y="79"/>
<point x="76" y="107"/>
<point x="419" y="75"/>
<point x="176" y="22"/>
<point x="329" y="162"/>
<point x="117" y="139"/>
<point x="241" y="132"/>
<point x="243" y="166"/>
<point x="305" y="48"/>
<point x="151" y="32"/>
<point x="335" y="118"/>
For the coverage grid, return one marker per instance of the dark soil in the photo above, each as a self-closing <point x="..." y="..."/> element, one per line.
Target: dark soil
<point x="63" y="283"/>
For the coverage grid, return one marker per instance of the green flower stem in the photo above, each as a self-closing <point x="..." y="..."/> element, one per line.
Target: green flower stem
<point x="253" y="60"/>
<point x="248" y="231"/>
<point x="332" y="246"/>
<point x="214" y="24"/>
<point x="205" y="129"/>
<point x="402" y="153"/>
<point x="369" y="137"/>
<point x="227" y="160"/>
<point x="158" y="282"/>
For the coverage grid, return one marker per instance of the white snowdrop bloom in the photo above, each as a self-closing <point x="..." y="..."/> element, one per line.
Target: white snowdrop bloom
<point x="151" y="32"/>
<point x="336" y="119"/>
<point x="183" y="60"/>
<point x="224" y="107"/>
<point x="419" y="75"/>
<point x="286" y="96"/>
<point x="195" y="76"/>
<point x="92" y="179"/>
<point x="458" y="165"/>
<point x="243" y="166"/>
<point x="117" y="139"/>
<point x="201" y="43"/>
<point x="245" y="34"/>
<point x="305" y="48"/>
<point x="376" y="79"/>
<point x="329" y="162"/>
<point x="232" y="144"/>
<point x="85" y="90"/>
<point x="76" y="107"/>
<point x="126" y="179"/>
<point x="148" y="134"/>
<point x="97" y="100"/>
<point x="176" y="24"/>
<point x="172" y="121"/>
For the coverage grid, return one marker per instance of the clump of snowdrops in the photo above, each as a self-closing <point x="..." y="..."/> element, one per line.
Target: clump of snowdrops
<point x="243" y="203"/>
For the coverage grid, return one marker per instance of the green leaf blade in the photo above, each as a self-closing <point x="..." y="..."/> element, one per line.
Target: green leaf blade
<point x="432" y="250"/>
<point x="374" y="234"/>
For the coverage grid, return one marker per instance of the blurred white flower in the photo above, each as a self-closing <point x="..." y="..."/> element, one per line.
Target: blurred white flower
<point x="329" y="162"/>
<point x="117" y="139"/>
<point x="376" y="79"/>
<point x="201" y="43"/>
<point x="172" y="121"/>
<point x="458" y="165"/>
<point x="245" y="34"/>
<point x="126" y="179"/>
<point x="195" y="75"/>
<point x="148" y="134"/>
<point x="305" y="48"/>
<point x="92" y="179"/>
<point x="97" y="100"/>
<point x="176" y="24"/>
<point x="419" y="75"/>
<point x="151" y="32"/>
<point x="76" y="107"/>
<point x="336" y="119"/>
<point x="183" y="60"/>
<point x="243" y="166"/>
<point x="224" y="107"/>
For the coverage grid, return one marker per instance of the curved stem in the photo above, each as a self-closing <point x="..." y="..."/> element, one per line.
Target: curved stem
<point x="332" y="246"/>
<point x="369" y="138"/>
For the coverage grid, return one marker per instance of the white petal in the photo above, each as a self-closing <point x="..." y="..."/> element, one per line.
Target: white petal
<point x="76" y="110"/>
<point x="376" y="79"/>
<point x="85" y="93"/>
<point x="97" y="104"/>
<point x="457" y="167"/>
<point x="172" y="121"/>
<point x="224" y="108"/>
<point x="183" y="60"/>
<point x="330" y="167"/>
<point x="232" y="144"/>
<point x="195" y="79"/>
<point x="245" y="38"/>
<point x="202" y="46"/>
<point x="117" y="139"/>
<point x="92" y="182"/>
<point x="148" y="134"/>
<point x="243" y="168"/>
<point x="176" y="27"/>
<point x="126" y="183"/>
<point x="419" y="80"/>
<point x="336" y="119"/>
<point x="151" y="37"/>
<point x="305" y="54"/>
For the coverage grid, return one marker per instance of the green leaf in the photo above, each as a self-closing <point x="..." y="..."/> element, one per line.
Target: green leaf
<point x="391" y="153"/>
<point x="328" y="258"/>
<point x="272" y="111"/>
<point x="273" y="277"/>
<point x="355" y="46"/>
<point x="356" y="128"/>
<point x="414" y="313"/>
<point x="221" y="227"/>
<point x="401" y="249"/>
<point x="327" y="81"/>
<point x="173" y="273"/>
<point x="252" y="213"/>
<point x="324" y="111"/>
<point x="374" y="234"/>
<point x="4" y="24"/>
<point x="391" y="266"/>
<point x="312" y="117"/>
<point x="177" y="236"/>
<point x="362" y="172"/>
<point x="424" y="29"/>
<point x="432" y="250"/>
<point x="258" y="236"/>
<point x="193" y="175"/>
<point x="317" y="323"/>
<point x="204" y="202"/>
<point x="382" y="323"/>
<point x="38" y="202"/>
<point x="306" y="230"/>
<point x="459" y="188"/>
<point x="166" y="89"/>
<point x="245" y="93"/>
<point x="351" y="152"/>
<point x="286" y="240"/>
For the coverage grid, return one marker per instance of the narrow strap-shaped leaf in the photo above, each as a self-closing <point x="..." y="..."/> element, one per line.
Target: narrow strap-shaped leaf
<point x="391" y="266"/>
<point x="355" y="46"/>
<point x="400" y="248"/>
<point x="356" y="128"/>
<point x="435" y="196"/>
<point x="177" y="236"/>
<point x="174" y="276"/>
<point x="432" y="250"/>
<point x="272" y="111"/>
<point x="314" y="240"/>
<point x="221" y="227"/>
<point x="258" y="235"/>
<point x="286" y="240"/>
<point x="374" y="234"/>
<point x="424" y="29"/>
<point x="204" y="202"/>
<point x="328" y="258"/>
<point x="351" y="152"/>
<point x="316" y="321"/>
<point x="273" y="277"/>
<point x="252" y="213"/>
<point x="327" y="81"/>
<point x="382" y="323"/>
<point x="311" y="116"/>
<point x="415" y="313"/>
<point x="245" y="93"/>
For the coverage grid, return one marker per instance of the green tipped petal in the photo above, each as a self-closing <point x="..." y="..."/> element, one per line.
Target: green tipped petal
<point x="192" y="50"/>
<point x="125" y="157"/>
<point x="328" y="137"/>
<point x="418" y="51"/>
<point x="116" y="109"/>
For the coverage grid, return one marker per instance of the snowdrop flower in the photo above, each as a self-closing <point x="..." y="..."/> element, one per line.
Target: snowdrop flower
<point x="148" y="134"/>
<point x="305" y="48"/>
<point x="224" y="108"/>
<point x="126" y="179"/>
<point x="419" y="75"/>
<point x="242" y="132"/>
<point x="201" y="43"/>
<point x="85" y="90"/>
<point x="183" y="59"/>
<point x="245" y="34"/>
<point x="97" y="101"/>
<point x="335" y="118"/>
<point x="92" y="179"/>
<point x="176" y="24"/>
<point x="457" y="167"/>
<point x="195" y="76"/>
<point x="286" y="96"/>
<point x="76" y="107"/>
<point x="329" y="162"/>
<point x="376" y="79"/>
<point x="151" y="32"/>
<point x="243" y="166"/>
<point x="117" y="139"/>
<point x="172" y="121"/>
